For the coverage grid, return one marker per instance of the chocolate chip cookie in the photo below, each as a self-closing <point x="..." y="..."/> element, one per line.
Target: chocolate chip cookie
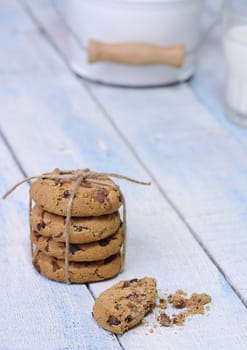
<point x="80" y="252"/>
<point x="79" y="272"/>
<point x="124" y="305"/>
<point x="82" y="230"/>
<point x="91" y="199"/>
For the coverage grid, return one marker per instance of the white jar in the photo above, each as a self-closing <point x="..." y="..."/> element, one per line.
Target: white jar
<point x="162" y="23"/>
<point x="235" y="50"/>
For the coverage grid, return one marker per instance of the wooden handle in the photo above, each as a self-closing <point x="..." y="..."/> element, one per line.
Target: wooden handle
<point x="135" y="53"/>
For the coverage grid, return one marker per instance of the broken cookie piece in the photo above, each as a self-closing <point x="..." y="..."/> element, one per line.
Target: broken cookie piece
<point x="125" y="304"/>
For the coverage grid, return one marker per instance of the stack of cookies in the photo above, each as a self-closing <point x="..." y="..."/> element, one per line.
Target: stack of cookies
<point x="96" y="233"/>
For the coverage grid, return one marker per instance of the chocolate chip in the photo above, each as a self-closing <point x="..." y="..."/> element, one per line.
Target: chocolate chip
<point x="42" y="206"/>
<point x="66" y="194"/>
<point x="41" y="225"/>
<point x="37" y="235"/>
<point x="55" y="265"/>
<point x="104" y="242"/>
<point x="47" y="247"/>
<point x="36" y="265"/>
<point x="101" y="195"/>
<point x="126" y="284"/>
<point x="128" y="318"/>
<point x="78" y="228"/>
<point x="113" y="321"/>
<point x="134" y="280"/>
<point x="108" y="260"/>
<point x="74" y="248"/>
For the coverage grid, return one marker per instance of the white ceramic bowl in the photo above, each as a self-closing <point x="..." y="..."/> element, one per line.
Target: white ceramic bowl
<point x="163" y="22"/>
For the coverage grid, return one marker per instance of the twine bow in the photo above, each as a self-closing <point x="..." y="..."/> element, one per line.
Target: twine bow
<point x="79" y="176"/>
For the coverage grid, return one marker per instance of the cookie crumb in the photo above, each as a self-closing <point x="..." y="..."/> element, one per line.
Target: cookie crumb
<point x="192" y="306"/>
<point x="162" y="303"/>
<point x="164" y="320"/>
<point x="178" y="299"/>
<point x="179" y="319"/>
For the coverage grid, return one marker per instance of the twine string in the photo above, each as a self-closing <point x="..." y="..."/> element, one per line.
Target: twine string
<point x="30" y="225"/>
<point x="6" y="194"/>
<point x="80" y="176"/>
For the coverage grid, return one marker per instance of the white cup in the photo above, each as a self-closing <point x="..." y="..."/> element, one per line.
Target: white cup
<point x="235" y="50"/>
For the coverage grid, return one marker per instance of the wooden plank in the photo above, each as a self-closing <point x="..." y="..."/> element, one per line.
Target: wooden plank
<point x="61" y="126"/>
<point x="15" y="29"/>
<point x="188" y="152"/>
<point x="43" y="313"/>
<point x="36" y="313"/>
<point x="165" y="248"/>
<point x="191" y="140"/>
<point x="177" y="259"/>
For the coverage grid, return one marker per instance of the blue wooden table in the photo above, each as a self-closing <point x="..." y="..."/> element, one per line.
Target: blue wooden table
<point x="188" y="230"/>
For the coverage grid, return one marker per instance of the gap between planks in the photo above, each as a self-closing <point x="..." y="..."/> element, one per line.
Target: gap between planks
<point x="22" y="170"/>
<point x="51" y="42"/>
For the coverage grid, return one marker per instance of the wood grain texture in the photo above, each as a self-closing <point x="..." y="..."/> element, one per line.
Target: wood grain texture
<point x="53" y="122"/>
<point x="15" y="29"/>
<point x="35" y="313"/>
<point x="218" y="182"/>
<point x="165" y="248"/>
<point x="188" y="153"/>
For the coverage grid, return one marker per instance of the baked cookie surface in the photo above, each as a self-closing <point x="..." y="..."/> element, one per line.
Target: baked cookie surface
<point x="79" y="272"/>
<point x="91" y="199"/>
<point x="82" y="230"/>
<point x="124" y="305"/>
<point x="99" y="250"/>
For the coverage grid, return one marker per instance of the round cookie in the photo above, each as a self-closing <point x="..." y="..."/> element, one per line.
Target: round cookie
<point x="124" y="305"/>
<point x="80" y="252"/>
<point x="79" y="272"/>
<point x="91" y="199"/>
<point x="82" y="230"/>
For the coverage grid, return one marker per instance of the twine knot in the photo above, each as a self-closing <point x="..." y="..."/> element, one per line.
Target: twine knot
<point x="84" y="173"/>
